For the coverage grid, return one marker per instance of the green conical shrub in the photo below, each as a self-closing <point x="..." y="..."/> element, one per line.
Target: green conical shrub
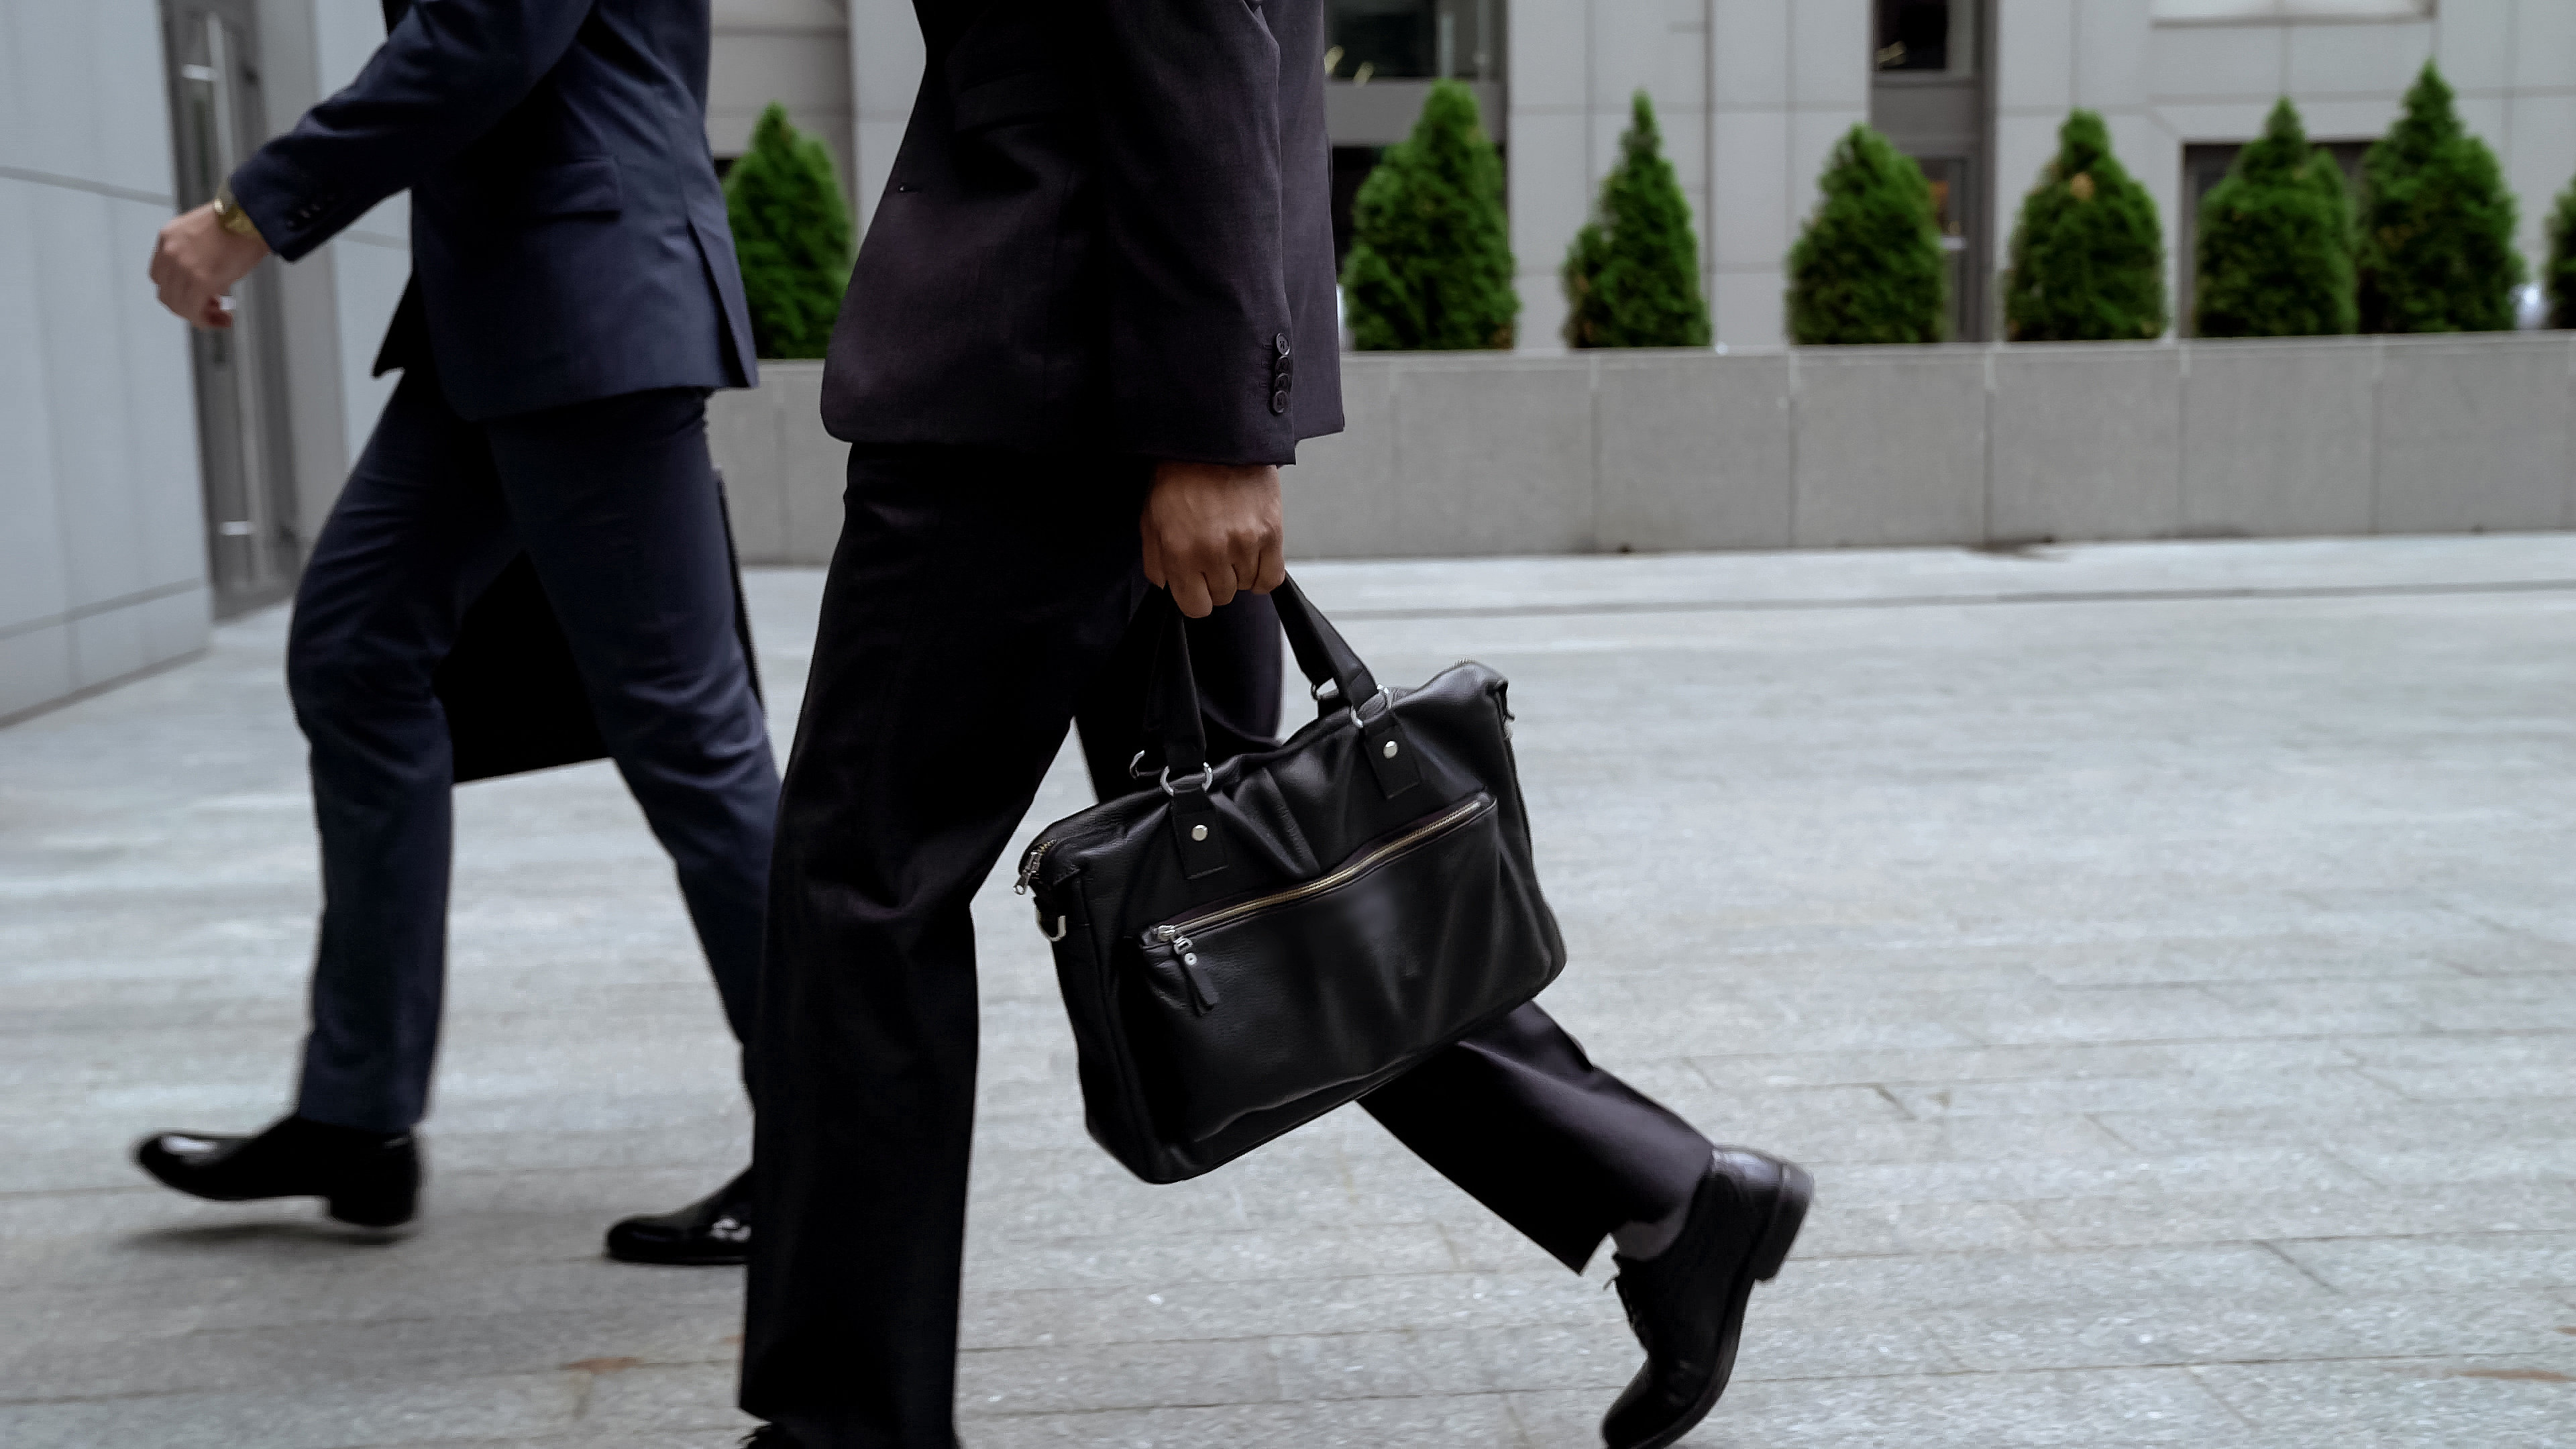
<point x="791" y="231"/>
<point x="2275" y="250"/>
<point x="1632" y="274"/>
<point x="1869" y="267"/>
<point x="2561" y="279"/>
<point x="2437" y="224"/>
<point x="1431" y="258"/>
<point x="2088" y="257"/>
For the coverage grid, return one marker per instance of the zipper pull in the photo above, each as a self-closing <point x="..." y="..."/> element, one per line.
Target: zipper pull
<point x="1202" y="986"/>
<point x="1029" y="867"/>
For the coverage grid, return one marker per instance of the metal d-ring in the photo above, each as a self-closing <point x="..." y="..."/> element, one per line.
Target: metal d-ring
<point x="1062" y="925"/>
<point x="1207" y="779"/>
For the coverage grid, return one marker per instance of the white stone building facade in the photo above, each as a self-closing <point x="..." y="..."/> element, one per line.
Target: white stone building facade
<point x="1752" y="95"/>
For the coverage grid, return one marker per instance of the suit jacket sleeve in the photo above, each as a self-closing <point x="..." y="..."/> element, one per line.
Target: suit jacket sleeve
<point x="1198" y="301"/>
<point x="448" y="71"/>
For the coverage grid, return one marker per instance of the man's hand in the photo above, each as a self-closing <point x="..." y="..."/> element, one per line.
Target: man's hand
<point x="196" y="263"/>
<point x="1212" y="531"/>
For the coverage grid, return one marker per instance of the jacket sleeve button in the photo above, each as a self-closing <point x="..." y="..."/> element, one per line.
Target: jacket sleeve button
<point x="1279" y="401"/>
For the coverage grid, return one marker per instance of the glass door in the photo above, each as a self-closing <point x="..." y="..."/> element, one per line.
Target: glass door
<point x="217" y="119"/>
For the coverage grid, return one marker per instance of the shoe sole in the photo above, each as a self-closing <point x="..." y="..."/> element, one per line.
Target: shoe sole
<point x="731" y="1260"/>
<point x="362" y="1214"/>
<point x="1779" y="1234"/>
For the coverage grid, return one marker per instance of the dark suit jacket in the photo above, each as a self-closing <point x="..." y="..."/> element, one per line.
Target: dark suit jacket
<point x="1109" y="227"/>
<point x="569" y="240"/>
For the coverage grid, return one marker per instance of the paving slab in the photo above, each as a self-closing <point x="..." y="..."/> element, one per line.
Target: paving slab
<point x="2162" y="954"/>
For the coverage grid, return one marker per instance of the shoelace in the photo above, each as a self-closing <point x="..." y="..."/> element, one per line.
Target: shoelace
<point x="1629" y="1304"/>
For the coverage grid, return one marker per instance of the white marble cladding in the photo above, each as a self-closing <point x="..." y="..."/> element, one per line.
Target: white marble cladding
<point x="102" y="538"/>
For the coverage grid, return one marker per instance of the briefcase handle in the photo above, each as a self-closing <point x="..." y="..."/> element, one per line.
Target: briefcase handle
<point x="1323" y="656"/>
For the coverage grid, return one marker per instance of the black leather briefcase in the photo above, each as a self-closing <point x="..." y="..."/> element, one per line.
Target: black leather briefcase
<point x="513" y="696"/>
<point x="1254" y="944"/>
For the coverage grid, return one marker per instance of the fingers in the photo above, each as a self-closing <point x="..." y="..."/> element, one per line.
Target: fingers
<point x="1154" y="573"/>
<point x="1212" y="532"/>
<point x="1221" y="585"/>
<point x="1270" y="569"/>
<point x="1191" y="593"/>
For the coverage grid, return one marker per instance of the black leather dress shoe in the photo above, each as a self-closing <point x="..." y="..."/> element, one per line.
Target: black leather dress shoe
<point x="1687" y="1302"/>
<point x="770" y="1436"/>
<point x="712" y="1232"/>
<point x="367" y="1179"/>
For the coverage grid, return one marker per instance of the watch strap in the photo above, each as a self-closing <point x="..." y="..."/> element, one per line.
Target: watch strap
<point x="229" y="214"/>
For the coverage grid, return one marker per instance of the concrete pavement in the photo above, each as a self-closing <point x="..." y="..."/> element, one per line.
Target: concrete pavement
<point x="2164" y="955"/>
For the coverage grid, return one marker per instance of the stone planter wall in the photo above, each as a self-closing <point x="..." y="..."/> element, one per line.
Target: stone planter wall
<point x="1451" y="454"/>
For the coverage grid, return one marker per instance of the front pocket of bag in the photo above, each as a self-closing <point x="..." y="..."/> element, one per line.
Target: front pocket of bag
<point x="1389" y="955"/>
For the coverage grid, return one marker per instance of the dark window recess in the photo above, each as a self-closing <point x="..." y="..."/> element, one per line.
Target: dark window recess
<point x="1413" y="39"/>
<point x="1914" y="35"/>
<point x="1392" y="38"/>
<point x="724" y="166"/>
<point x="1351" y="166"/>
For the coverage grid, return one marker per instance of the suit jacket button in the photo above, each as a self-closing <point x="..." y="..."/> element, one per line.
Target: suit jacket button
<point x="1281" y="342"/>
<point x="1279" y="401"/>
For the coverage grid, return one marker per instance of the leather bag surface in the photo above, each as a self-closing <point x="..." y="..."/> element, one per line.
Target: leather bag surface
<point x="513" y="696"/>
<point x="1255" y="944"/>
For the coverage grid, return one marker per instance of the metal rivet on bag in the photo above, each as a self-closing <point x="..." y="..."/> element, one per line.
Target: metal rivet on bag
<point x="1390" y="749"/>
<point x="1191" y="959"/>
<point x="1198" y="832"/>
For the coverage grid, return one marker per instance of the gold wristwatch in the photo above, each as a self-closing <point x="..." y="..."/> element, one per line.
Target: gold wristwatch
<point x="229" y="214"/>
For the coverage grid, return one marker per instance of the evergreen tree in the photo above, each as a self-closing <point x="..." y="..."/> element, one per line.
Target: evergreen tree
<point x="1431" y="259"/>
<point x="1869" y="266"/>
<point x="791" y="231"/>
<point x="2437" y="224"/>
<point x="2276" y="241"/>
<point x="2561" y="279"/>
<point x="1632" y="274"/>
<point x="2088" y="259"/>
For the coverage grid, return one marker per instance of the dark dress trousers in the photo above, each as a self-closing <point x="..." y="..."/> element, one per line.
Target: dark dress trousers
<point x="1105" y="242"/>
<point x="574" y="297"/>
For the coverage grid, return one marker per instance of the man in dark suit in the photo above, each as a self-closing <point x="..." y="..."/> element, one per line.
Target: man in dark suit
<point x="1092" y="316"/>
<point x="574" y="298"/>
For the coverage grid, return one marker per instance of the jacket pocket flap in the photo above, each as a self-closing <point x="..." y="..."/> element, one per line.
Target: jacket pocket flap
<point x="575" y="188"/>
<point x="1011" y="98"/>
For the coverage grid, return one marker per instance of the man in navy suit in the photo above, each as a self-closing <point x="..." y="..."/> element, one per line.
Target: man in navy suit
<point x="574" y="299"/>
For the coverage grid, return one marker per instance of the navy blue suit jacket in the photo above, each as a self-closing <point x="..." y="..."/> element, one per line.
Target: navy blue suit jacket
<point x="569" y="240"/>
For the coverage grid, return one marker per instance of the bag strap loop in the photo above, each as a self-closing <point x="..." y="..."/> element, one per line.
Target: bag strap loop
<point x="1340" y="680"/>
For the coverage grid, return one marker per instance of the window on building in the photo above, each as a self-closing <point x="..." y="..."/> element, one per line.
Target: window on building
<point x="2185" y="12"/>
<point x="1413" y="40"/>
<point x="1935" y="37"/>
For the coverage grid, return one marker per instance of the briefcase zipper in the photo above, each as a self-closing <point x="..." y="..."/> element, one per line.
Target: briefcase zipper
<point x="1029" y="867"/>
<point x="1177" y="933"/>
